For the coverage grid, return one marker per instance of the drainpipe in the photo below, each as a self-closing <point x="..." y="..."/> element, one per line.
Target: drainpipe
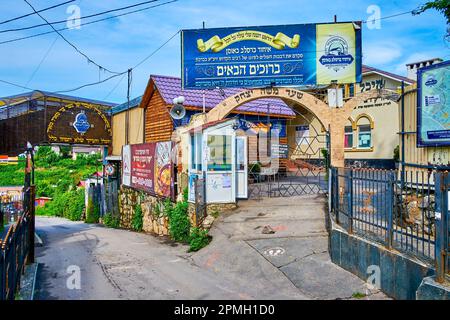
<point x="403" y="135"/>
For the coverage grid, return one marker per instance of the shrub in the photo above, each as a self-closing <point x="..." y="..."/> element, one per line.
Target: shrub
<point x="111" y="221"/>
<point x="92" y="212"/>
<point x="198" y="239"/>
<point x="396" y="154"/>
<point x="137" y="219"/>
<point x="75" y="207"/>
<point x="179" y="224"/>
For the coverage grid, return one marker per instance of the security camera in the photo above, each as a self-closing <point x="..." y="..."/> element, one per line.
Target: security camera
<point x="178" y="100"/>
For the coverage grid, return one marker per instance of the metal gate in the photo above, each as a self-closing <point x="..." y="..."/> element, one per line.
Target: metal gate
<point x="304" y="171"/>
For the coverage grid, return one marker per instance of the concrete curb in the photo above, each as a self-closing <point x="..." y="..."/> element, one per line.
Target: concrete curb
<point x="28" y="282"/>
<point x="38" y="241"/>
<point x="34" y="281"/>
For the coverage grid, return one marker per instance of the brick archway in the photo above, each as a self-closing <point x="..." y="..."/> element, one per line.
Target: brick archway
<point x="332" y="118"/>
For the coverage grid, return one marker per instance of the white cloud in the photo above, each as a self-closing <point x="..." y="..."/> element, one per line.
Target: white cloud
<point x="381" y="53"/>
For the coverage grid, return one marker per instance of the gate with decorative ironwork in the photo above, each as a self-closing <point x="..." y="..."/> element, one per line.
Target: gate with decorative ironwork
<point x="303" y="171"/>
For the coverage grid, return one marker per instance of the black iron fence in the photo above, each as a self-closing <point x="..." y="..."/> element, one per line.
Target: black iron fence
<point x="400" y="210"/>
<point x="16" y="248"/>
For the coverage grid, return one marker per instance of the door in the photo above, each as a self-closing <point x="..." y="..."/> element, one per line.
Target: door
<point x="219" y="155"/>
<point x="241" y="167"/>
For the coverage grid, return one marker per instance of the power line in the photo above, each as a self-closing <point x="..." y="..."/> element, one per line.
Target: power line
<point x="391" y="16"/>
<point x="70" y="43"/>
<point x="156" y="50"/>
<point x="81" y="18"/>
<point x="33" y="13"/>
<point x="115" y="87"/>
<point x="16" y="85"/>
<point x="91" y="84"/>
<point x="42" y="61"/>
<point x="87" y="23"/>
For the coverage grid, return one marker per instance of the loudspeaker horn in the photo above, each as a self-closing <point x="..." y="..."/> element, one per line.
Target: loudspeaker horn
<point x="177" y="112"/>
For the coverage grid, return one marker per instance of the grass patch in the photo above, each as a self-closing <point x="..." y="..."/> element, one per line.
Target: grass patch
<point x="358" y="295"/>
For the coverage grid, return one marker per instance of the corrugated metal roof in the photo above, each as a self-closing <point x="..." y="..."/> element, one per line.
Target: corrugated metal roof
<point x="39" y="93"/>
<point x="170" y="88"/>
<point x="122" y="107"/>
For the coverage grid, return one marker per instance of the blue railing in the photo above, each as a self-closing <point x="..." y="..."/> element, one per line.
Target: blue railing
<point x="400" y="211"/>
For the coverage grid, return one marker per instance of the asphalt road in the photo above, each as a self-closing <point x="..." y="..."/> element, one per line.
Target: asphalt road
<point x="240" y="263"/>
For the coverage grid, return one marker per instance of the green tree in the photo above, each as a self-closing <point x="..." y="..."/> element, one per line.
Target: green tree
<point x="443" y="6"/>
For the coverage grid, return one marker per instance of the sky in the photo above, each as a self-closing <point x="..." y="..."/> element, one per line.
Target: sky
<point x="48" y="63"/>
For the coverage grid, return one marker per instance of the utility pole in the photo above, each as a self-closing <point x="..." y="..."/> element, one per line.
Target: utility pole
<point x="127" y="116"/>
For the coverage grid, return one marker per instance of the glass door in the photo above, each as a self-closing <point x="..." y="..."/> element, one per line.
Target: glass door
<point x="220" y="167"/>
<point x="241" y="167"/>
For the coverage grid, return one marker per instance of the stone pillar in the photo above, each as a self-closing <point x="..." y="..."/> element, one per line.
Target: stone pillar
<point x="337" y="125"/>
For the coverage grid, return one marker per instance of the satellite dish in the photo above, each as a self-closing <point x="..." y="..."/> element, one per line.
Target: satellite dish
<point x="177" y="112"/>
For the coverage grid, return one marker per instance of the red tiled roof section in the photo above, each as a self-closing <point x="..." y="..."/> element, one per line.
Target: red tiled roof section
<point x="366" y="69"/>
<point x="170" y="88"/>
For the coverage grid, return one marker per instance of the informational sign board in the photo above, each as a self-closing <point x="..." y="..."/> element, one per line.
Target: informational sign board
<point x="150" y="168"/>
<point x="286" y="55"/>
<point x="433" y="105"/>
<point x="279" y="151"/>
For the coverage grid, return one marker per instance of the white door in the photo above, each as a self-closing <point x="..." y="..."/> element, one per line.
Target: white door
<point x="241" y="168"/>
<point x="219" y="164"/>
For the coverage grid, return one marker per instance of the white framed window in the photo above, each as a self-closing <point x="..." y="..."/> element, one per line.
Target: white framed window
<point x="196" y="152"/>
<point x="348" y="137"/>
<point x="364" y="136"/>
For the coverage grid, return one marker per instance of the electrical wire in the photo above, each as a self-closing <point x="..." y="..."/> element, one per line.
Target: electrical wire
<point x="71" y="44"/>
<point x="391" y="16"/>
<point x="42" y="61"/>
<point x="156" y="50"/>
<point x="87" y="23"/>
<point x="41" y="10"/>
<point x="16" y="85"/>
<point x="81" y="18"/>
<point x="115" y="87"/>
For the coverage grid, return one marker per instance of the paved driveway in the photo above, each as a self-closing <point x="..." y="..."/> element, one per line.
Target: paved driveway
<point x="240" y="263"/>
<point x="296" y="255"/>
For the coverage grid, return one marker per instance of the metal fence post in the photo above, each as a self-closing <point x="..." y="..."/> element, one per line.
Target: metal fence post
<point x="349" y="188"/>
<point x="390" y="199"/>
<point x="441" y="214"/>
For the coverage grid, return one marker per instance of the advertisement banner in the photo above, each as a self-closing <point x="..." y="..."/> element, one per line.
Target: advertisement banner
<point x="126" y="165"/>
<point x="288" y="55"/>
<point x="142" y="166"/>
<point x="150" y="168"/>
<point x="433" y="105"/>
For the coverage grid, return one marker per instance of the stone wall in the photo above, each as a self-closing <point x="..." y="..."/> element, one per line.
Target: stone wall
<point x="152" y="207"/>
<point x="152" y="222"/>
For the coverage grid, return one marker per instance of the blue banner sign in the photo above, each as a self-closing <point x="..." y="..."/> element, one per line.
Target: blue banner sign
<point x="433" y="107"/>
<point x="289" y="55"/>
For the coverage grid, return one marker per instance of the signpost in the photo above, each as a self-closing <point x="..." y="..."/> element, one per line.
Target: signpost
<point x="433" y="105"/>
<point x="287" y="55"/>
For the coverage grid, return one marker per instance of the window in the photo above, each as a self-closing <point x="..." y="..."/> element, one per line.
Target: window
<point x="240" y="154"/>
<point x="364" y="136"/>
<point x="196" y="152"/>
<point x="348" y="137"/>
<point x="219" y="149"/>
<point x="302" y="134"/>
<point x="352" y="90"/>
